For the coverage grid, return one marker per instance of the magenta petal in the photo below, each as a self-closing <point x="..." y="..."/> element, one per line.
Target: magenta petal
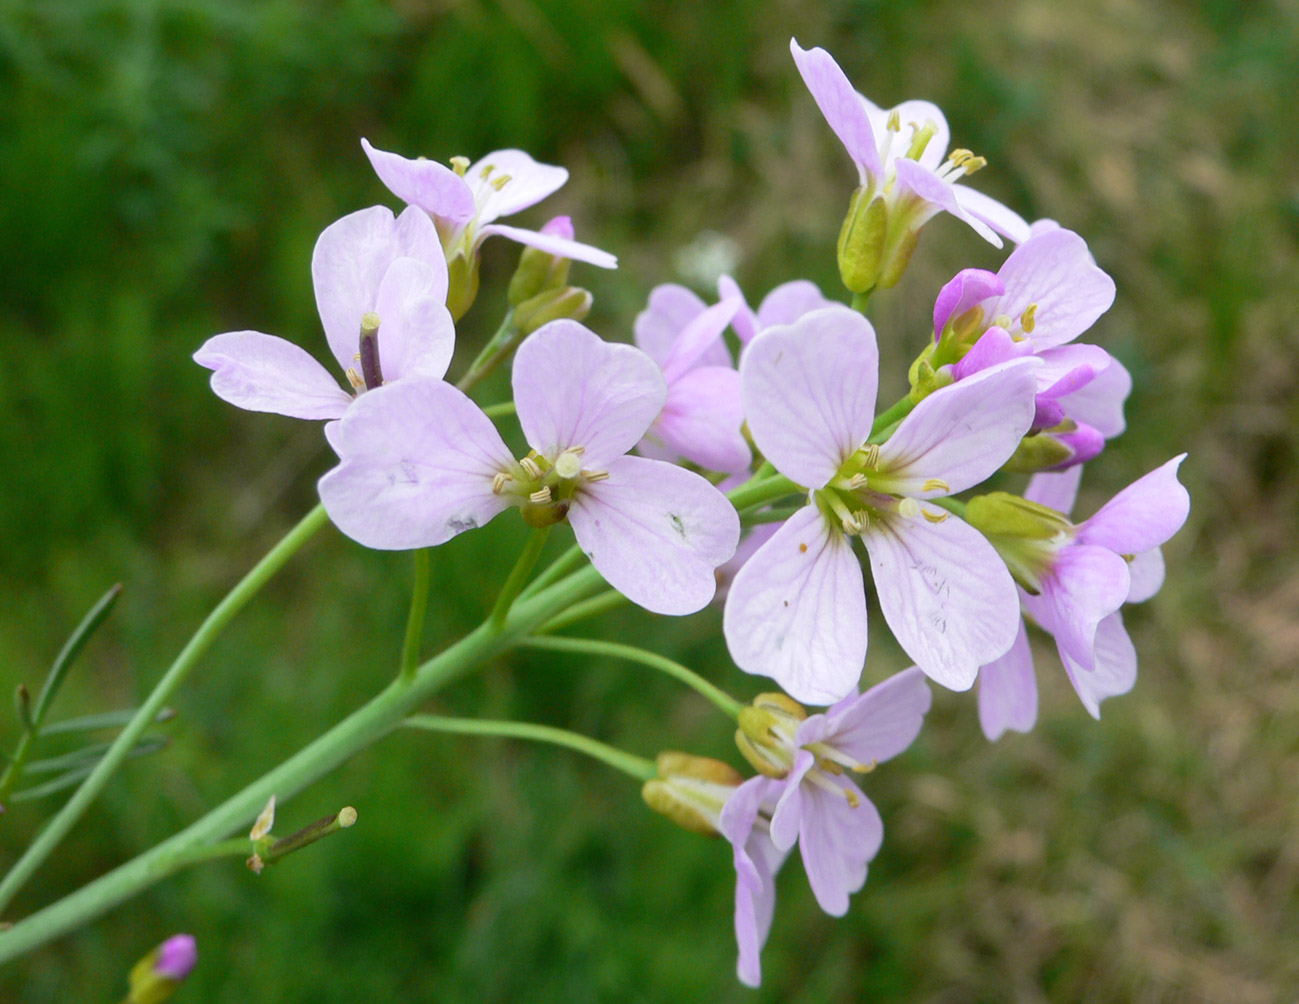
<point x="1069" y="368"/>
<point x="1146" y="571"/>
<point x="945" y="593"/>
<point x="840" y="104"/>
<point x="1008" y="691"/>
<point x="702" y="420"/>
<point x="1056" y="271"/>
<point x="529" y="182"/>
<point x="797" y="611"/>
<point x="837" y="840"/>
<point x="1142" y="516"/>
<point x="808" y="390"/>
<point x="928" y="187"/>
<point x="1056" y="491"/>
<point x="996" y="215"/>
<point x="263" y="373"/>
<point x="967" y="288"/>
<point x="670" y="309"/>
<point x="959" y="436"/>
<point x="424" y="183"/>
<point x="656" y="532"/>
<point x="697" y="337"/>
<point x="882" y="722"/>
<point x="995" y="346"/>
<point x="1087" y="584"/>
<point x="573" y="389"/>
<point x="1100" y="403"/>
<point x="418" y="459"/>
<point x="789" y="301"/>
<point x="1116" y="666"/>
<point x="558" y="246"/>
<point x="416" y="333"/>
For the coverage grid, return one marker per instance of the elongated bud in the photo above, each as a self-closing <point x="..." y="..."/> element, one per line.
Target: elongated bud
<point x="766" y="733"/>
<point x="691" y="790"/>
<point x="540" y="270"/>
<point x="462" y="283"/>
<point x="1026" y="534"/>
<point x="861" y="241"/>
<point x="1067" y="444"/>
<point x="160" y="973"/>
<point x="899" y="258"/>
<point x="568" y="302"/>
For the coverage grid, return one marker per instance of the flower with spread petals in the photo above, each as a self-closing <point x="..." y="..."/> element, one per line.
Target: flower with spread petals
<point x="1079" y="576"/>
<point x="797" y="609"/>
<point x="381" y="287"/>
<point x="905" y="174"/>
<point x="420" y="463"/>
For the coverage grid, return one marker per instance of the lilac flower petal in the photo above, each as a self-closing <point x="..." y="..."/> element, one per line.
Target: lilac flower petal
<point x="1056" y="491"/>
<point x="995" y="214"/>
<point x="789" y="802"/>
<point x="837" y="840"/>
<point x="1056" y="271"/>
<point x="697" y="337"/>
<point x="841" y="105"/>
<point x="1069" y="368"/>
<point x="416" y="333"/>
<point x="928" y="187"/>
<point x="702" y="420"/>
<point x="418" y="458"/>
<point x="959" y="436"/>
<point x="1142" y="516"/>
<point x="752" y="539"/>
<point x="809" y="392"/>
<point x="945" y="594"/>
<point x="670" y="309"/>
<point x="1100" y="403"/>
<point x="913" y="113"/>
<point x="656" y="532"/>
<point x="529" y="183"/>
<point x="1083" y="442"/>
<point x="414" y="235"/>
<point x="1087" y="584"/>
<point x="1008" y="691"/>
<point x="882" y="722"/>
<point x="797" y="611"/>
<point x="967" y="288"/>
<point x="745" y="322"/>
<point x="789" y="301"/>
<point x="1146" y="570"/>
<point x="263" y="373"/>
<point x="756" y="862"/>
<point x="995" y="346"/>
<point x="551" y="244"/>
<point x="424" y="183"/>
<point x="1116" y="666"/>
<point x="573" y="389"/>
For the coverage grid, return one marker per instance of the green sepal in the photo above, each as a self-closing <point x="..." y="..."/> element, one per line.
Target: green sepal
<point x="861" y="241"/>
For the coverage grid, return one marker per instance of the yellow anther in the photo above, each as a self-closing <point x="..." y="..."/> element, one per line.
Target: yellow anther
<point x="501" y="182"/>
<point x="595" y="475"/>
<point x="541" y="496"/>
<point x="264" y="821"/>
<point x="936" y="485"/>
<point x="895" y="121"/>
<point x="975" y="164"/>
<point x="866" y="768"/>
<point x="1028" y="319"/>
<point x="870" y="454"/>
<point x="530" y="467"/>
<point x="959" y="156"/>
<point x="486" y="172"/>
<point x="460" y="165"/>
<point x="1004" y="322"/>
<point x="933" y="517"/>
<point x="354" y="378"/>
<point x="499" y="482"/>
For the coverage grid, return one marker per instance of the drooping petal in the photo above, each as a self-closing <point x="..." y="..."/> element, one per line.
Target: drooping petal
<point x="967" y="288"/>
<point x="789" y="301"/>
<point x="945" y="593"/>
<point x="797" y="611"/>
<point x="756" y="862"/>
<point x="1146" y="571"/>
<point x="841" y="105"/>
<point x="656" y="532"/>
<point x="571" y="388"/>
<point x="1054" y="490"/>
<point x="1142" y="516"/>
<point x="670" y="309"/>
<point x="837" y="840"/>
<point x="1008" y="691"/>
<point x="1087" y="584"/>
<point x="996" y="215"/>
<point x="416" y="333"/>
<point x="697" y="337"/>
<point x="1056" y="271"/>
<point x="702" y="420"/>
<point x="1116" y="666"/>
<point x="882" y="722"/>
<point x="436" y="189"/>
<point x="960" y="435"/>
<point x="1069" y="368"/>
<point x="263" y="373"/>
<point x="808" y="390"/>
<point x="529" y="182"/>
<point x="418" y="459"/>
<point x="1100" y="403"/>
<point x="559" y="246"/>
<point x="929" y="188"/>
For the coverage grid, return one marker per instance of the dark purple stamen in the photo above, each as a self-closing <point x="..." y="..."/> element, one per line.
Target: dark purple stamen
<point x="370" y="371"/>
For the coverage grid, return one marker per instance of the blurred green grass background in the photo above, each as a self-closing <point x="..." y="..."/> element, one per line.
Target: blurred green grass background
<point x="166" y="166"/>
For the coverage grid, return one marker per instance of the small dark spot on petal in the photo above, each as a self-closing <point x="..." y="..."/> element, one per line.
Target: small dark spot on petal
<point x="802" y="549"/>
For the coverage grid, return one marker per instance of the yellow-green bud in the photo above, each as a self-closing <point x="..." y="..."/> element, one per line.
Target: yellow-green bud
<point x="861" y="241"/>
<point x="540" y="270"/>
<point x="766" y="733"/>
<point x="158" y="975"/>
<point x="569" y="302"/>
<point x="1025" y="534"/>
<point x="691" y="790"/>
<point x="1037" y="453"/>
<point x="462" y="283"/>
<point x="892" y="269"/>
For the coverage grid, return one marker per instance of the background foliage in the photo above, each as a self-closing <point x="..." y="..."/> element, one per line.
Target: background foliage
<point x="166" y="166"/>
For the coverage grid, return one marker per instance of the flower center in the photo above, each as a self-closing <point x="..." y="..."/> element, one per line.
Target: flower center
<point x="544" y="488"/>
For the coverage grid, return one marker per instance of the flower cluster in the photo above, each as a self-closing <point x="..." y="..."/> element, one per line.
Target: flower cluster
<point x="778" y="406"/>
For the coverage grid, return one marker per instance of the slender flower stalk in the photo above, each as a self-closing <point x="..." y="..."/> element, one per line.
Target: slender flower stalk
<point x="418" y="610"/>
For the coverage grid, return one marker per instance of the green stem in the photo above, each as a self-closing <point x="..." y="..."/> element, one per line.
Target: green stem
<point x="500" y="345"/>
<point x="723" y="701"/>
<point x="638" y="767"/>
<point x="519" y="575"/>
<point x="860" y="301"/>
<point x="955" y="506"/>
<point x="893" y="415"/>
<point x="502" y="410"/>
<point x="754" y="493"/>
<point x="610" y="600"/>
<point x="768" y="515"/>
<point x="560" y="567"/>
<point x="415" y="622"/>
<point x="353" y="734"/>
<point x="207" y="633"/>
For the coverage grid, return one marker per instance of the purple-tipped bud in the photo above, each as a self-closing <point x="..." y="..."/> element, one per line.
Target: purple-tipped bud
<point x="160" y="973"/>
<point x="176" y="957"/>
<point x="969" y="287"/>
<point x="560" y="226"/>
<point x="1083" y="441"/>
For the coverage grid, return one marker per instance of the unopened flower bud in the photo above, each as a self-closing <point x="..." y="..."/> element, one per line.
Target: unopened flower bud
<point x="158" y="975"/>
<point x="569" y="302"/>
<point x="1027" y="535"/>
<point x="766" y="733"/>
<point x="462" y="283"/>
<point x="540" y="270"/>
<point x="1055" y="449"/>
<point x="691" y="790"/>
<point x="861" y="241"/>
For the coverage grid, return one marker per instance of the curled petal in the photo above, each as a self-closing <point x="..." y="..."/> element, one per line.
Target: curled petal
<point x="1069" y="368"/>
<point x="1100" y="403"/>
<point x="263" y="373"/>
<point x="928" y="187"/>
<point x="1087" y="584"/>
<point x="842" y="106"/>
<point x="560" y="247"/>
<point x="702" y="420"/>
<point x="656" y="532"/>
<point x="573" y="389"/>
<point x="697" y="338"/>
<point x="1115" y="671"/>
<point x="808" y="390"/>
<point x="788" y="302"/>
<point x="1008" y="691"/>
<point x="996" y="215"/>
<point x="756" y="862"/>
<point x="1143" y="515"/>
<point x="797" y="611"/>
<point x="966" y="289"/>
<point x="430" y="186"/>
<point x="529" y="182"/>
<point x="945" y="593"/>
<point x="670" y="309"/>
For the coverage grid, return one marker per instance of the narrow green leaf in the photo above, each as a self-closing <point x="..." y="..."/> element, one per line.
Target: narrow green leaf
<point x="89" y="624"/>
<point x="144" y="748"/>
<point x="103" y="720"/>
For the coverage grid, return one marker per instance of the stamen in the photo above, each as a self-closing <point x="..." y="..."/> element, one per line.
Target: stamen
<point x="370" y="368"/>
<point x="501" y="182"/>
<point x="920" y="139"/>
<point x="354" y="378"/>
<point x="486" y="172"/>
<point x="895" y="121"/>
<point x="936" y="485"/>
<point x="821" y="781"/>
<point x="499" y="482"/>
<point x="870" y="454"/>
<point x="595" y="475"/>
<point x="1004" y="322"/>
<point x="1028" y="319"/>
<point x="530" y="468"/>
<point x="933" y="517"/>
<point x="460" y="165"/>
<point x="832" y="754"/>
<point x="541" y="496"/>
<point x="975" y="164"/>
